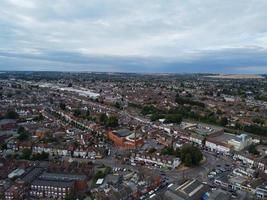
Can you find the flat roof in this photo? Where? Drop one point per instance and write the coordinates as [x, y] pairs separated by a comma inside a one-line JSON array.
[[32, 174], [192, 186], [99, 181], [62, 177], [7, 121], [122, 132], [53, 183], [224, 138]]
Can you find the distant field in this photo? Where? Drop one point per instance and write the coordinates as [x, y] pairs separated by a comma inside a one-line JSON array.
[[236, 76]]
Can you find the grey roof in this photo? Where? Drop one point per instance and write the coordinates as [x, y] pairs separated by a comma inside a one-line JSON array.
[[7, 121], [53, 183], [32, 174], [61, 177], [263, 186], [172, 196], [218, 195], [192, 186], [122, 132]]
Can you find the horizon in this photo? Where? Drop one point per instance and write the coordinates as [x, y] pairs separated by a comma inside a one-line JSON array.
[[142, 73], [134, 36]]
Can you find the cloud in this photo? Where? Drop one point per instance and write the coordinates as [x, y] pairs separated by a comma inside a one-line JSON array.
[[151, 33]]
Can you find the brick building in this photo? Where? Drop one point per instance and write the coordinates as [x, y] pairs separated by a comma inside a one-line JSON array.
[[125, 138]]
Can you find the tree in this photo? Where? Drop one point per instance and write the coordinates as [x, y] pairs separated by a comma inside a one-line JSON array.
[[255, 129], [23, 134], [259, 121], [77, 112], [62, 105], [188, 160], [103, 118], [112, 121], [182, 100], [26, 154], [3, 146], [87, 113], [40, 117], [173, 118], [152, 150], [167, 151], [118, 105], [11, 114], [40, 156], [190, 155], [224, 121], [253, 150], [149, 109]]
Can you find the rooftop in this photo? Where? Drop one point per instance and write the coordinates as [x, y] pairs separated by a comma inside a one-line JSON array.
[[61, 177], [53, 183], [123, 132]]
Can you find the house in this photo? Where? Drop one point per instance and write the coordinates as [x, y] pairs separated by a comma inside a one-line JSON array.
[[261, 191], [162, 161], [216, 146], [196, 139], [17, 191], [164, 139], [7, 124]]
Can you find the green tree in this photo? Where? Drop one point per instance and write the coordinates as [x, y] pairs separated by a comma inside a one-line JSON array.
[[103, 118], [62, 106], [40, 117], [152, 150], [40, 156], [3, 146], [26, 154], [118, 105], [259, 121], [253, 150], [224, 121], [173, 118], [112, 121], [188, 160], [11, 114], [77, 112], [23, 134], [190, 155]]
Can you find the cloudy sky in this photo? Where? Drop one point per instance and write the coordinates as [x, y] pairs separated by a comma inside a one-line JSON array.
[[180, 36]]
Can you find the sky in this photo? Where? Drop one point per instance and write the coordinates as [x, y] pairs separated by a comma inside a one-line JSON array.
[[147, 36]]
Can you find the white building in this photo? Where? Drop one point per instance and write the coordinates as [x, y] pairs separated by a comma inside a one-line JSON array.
[[217, 147], [157, 160], [15, 173], [240, 142]]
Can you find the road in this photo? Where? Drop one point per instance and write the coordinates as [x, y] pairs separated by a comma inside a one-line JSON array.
[[174, 175]]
